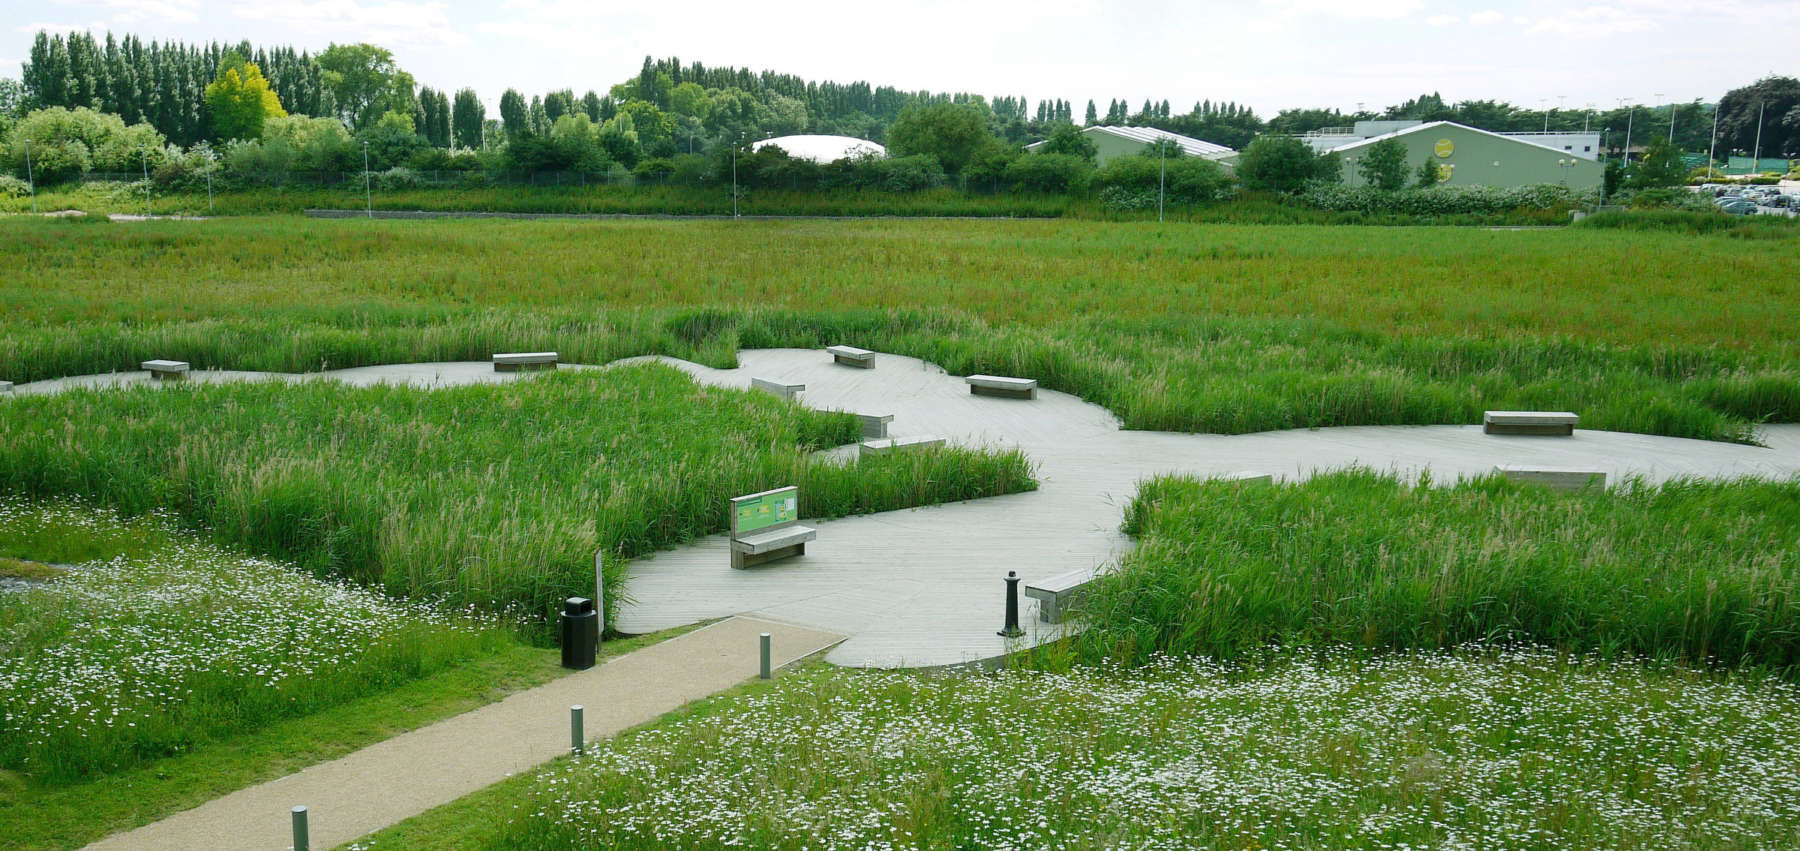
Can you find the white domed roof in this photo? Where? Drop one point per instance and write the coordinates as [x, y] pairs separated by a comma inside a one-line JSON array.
[[822, 149]]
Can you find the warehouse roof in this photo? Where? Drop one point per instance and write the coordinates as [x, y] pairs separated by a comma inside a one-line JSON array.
[[822, 149], [1150, 135], [1419, 128]]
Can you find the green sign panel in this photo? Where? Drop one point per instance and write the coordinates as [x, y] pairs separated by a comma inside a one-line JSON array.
[[769, 509]]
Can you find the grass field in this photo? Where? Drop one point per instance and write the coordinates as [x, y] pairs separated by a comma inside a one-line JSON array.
[[1182, 327], [494, 496], [1478, 749], [152, 645], [1686, 571]]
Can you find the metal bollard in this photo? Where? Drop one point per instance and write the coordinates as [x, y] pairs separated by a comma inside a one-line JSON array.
[[765, 655], [1012, 629], [577, 741], [300, 838]]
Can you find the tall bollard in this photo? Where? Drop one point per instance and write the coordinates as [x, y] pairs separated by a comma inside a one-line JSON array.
[[1012, 629], [300, 838], [765, 655], [577, 741]]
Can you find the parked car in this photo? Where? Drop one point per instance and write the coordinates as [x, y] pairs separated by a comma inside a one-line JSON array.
[[1739, 207]]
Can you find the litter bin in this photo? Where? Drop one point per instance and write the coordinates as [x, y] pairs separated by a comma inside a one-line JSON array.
[[580, 632]]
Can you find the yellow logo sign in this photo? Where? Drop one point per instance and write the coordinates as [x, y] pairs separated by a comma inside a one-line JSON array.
[[1444, 148]]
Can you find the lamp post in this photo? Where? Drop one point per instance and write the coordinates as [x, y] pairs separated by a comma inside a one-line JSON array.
[[1756, 156], [368, 194], [144, 155], [1162, 177], [30, 177], [210, 162], [1630, 116], [1659, 97], [1713, 148], [734, 191]]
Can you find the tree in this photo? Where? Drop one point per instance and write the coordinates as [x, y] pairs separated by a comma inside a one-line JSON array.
[[239, 101], [1093, 116], [1278, 164], [12, 97], [951, 132], [1770, 96], [438, 129], [1384, 165], [466, 119], [1661, 166], [365, 83], [1429, 174], [513, 116], [1067, 139]]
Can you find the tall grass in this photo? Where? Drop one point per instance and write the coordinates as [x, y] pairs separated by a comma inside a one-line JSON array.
[[159, 644], [496, 496], [1690, 571], [1198, 328]]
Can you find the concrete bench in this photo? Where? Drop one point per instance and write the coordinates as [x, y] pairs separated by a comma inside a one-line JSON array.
[[778, 388], [1560, 478], [1059, 593], [898, 444], [852, 356], [996, 385], [165, 370], [1247, 476], [523, 361], [875, 425], [1555, 423], [5, 387], [766, 527]]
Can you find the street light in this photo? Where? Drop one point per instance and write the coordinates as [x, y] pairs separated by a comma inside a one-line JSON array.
[[1162, 177], [1565, 165], [145, 156], [30, 177], [368, 194]]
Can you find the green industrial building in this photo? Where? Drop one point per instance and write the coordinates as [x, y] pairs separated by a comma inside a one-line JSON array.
[[1110, 143], [1466, 156]]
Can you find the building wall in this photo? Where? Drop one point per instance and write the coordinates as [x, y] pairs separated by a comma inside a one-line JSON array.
[[1478, 159], [1111, 147]]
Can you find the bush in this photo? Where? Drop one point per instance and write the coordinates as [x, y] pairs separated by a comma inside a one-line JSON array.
[[657, 168], [1282, 164], [398, 177], [900, 174], [1188, 180], [12, 187], [66, 143], [1050, 173], [1442, 200]]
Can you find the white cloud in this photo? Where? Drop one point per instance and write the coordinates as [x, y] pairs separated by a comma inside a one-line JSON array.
[[389, 24], [59, 29], [1594, 22], [1381, 9], [1443, 20], [127, 12], [1486, 17]]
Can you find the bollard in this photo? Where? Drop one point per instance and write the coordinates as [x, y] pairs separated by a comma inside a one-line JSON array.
[[300, 839], [765, 655], [577, 741], [1012, 629]]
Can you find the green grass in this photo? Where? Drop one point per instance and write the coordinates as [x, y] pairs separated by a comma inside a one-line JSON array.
[[167, 645], [1474, 749], [1182, 327], [1700, 572], [496, 496]]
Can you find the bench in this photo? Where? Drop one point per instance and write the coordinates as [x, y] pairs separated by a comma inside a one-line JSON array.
[[1555, 423], [898, 444], [852, 356], [1059, 593], [1560, 478], [517, 361], [778, 388], [766, 526], [165, 370], [996, 385], [1247, 476], [5, 387], [874, 425]]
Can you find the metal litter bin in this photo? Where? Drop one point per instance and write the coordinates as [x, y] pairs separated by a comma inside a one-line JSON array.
[[580, 633]]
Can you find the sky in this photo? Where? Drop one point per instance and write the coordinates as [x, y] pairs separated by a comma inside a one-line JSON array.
[[1270, 54]]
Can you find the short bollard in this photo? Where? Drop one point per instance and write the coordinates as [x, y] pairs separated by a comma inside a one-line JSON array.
[[577, 741], [1012, 629], [300, 839], [765, 655]]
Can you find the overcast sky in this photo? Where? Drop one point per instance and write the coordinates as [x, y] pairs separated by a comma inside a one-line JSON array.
[[1270, 54]]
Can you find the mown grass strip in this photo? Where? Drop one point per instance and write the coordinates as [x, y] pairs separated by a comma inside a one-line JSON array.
[[1700, 572]]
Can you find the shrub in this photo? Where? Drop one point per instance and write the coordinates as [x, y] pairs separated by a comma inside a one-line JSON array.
[[1058, 173], [12, 187], [1188, 180], [1280, 164], [1442, 200]]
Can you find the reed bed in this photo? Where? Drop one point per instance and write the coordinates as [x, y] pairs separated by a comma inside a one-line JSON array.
[[1182, 327], [494, 496], [150, 644], [1696, 572]]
